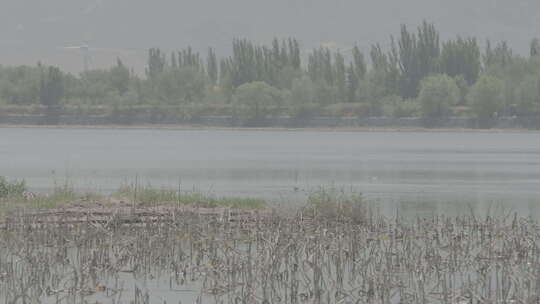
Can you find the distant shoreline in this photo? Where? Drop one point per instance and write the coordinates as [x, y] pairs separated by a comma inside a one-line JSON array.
[[319, 123], [195, 127]]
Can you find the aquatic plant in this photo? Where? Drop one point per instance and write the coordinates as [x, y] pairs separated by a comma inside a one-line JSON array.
[[11, 188], [228, 255]]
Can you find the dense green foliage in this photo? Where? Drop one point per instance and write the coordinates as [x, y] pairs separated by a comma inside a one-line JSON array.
[[417, 76], [486, 98], [11, 188], [257, 100], [438, 93]]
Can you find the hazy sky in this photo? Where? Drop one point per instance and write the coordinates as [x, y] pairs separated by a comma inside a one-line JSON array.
[[32, 30]]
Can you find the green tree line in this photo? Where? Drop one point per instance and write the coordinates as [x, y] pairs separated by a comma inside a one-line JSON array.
[[416, 76]]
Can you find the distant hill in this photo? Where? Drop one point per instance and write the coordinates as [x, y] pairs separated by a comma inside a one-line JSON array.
[[35, 30]]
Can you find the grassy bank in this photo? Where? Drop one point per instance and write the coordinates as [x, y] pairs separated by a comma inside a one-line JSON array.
[[14, 194]]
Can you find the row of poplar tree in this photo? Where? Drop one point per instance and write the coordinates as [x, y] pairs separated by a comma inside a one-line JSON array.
[[417, 75], [412, 57]]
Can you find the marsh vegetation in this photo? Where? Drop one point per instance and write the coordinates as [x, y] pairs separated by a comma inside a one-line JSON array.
[[337, 248]]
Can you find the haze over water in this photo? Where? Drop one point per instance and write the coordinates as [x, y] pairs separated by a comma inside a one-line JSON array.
[[419, 171]]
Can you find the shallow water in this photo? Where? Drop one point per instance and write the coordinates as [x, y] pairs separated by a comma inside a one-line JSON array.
[[419, 171]]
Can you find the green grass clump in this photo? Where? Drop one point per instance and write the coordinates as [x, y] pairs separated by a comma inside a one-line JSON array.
[[201, 200], [11, 188], [146, 195], [337, 204], [59, 196], [149, 195]]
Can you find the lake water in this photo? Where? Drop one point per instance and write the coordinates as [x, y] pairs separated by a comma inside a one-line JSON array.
[[419, 171]]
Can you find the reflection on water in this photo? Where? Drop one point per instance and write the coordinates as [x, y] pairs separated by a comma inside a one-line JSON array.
[[419, 171]]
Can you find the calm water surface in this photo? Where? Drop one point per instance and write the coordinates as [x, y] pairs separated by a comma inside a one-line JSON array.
[[416, 170], [419, 172]]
